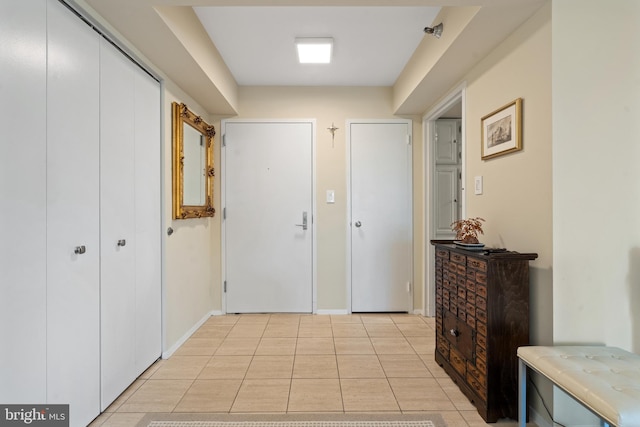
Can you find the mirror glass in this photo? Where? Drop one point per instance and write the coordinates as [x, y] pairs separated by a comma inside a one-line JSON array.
[[194, 168], [192, 164]]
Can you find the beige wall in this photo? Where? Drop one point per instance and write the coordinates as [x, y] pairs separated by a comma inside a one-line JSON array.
[[516, 202], [596, 174], [192, 252], [596, 105], [331, 105], [517, 195]]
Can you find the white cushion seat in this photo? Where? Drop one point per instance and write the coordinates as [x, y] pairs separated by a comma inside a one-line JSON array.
[[606, 380]]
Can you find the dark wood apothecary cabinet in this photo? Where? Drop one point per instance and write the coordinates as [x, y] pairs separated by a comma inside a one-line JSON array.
[[482, 317]]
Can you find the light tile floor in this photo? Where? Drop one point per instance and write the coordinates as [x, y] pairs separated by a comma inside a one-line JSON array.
[[290, 363]]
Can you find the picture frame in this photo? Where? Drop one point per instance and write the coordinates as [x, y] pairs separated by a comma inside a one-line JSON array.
[[501, 130]]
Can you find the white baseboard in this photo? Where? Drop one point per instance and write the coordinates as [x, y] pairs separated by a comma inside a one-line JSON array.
[[324, 312], [167, 353], [419, 312]]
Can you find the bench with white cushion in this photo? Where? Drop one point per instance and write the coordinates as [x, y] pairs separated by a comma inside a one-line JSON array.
[[606, 380]]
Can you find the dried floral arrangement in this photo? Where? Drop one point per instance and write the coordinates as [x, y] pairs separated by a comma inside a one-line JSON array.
[[467, 230]]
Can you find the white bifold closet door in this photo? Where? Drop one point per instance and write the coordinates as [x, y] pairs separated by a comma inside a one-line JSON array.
[[23, 197], [73, 214], [80, 171], [130, 222]]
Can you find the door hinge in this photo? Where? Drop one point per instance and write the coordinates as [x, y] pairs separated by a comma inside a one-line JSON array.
[[225, 286], [408, 139], [224, 140], [409, 287], [224, 213]]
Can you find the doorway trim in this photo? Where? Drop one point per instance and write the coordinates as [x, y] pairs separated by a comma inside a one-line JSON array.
[[313, 222], [349, 230], [428, 131]]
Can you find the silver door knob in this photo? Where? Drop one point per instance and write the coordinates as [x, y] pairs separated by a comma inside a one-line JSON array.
[[358, 224], [79, 250]]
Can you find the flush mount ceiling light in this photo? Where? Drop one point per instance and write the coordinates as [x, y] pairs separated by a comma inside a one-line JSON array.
[[314, 50], [436, 31]]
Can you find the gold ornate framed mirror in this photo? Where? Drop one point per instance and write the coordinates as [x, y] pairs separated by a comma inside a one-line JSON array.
[[193, 169]]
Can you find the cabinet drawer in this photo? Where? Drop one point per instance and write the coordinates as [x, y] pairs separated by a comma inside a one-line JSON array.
[[471, 309], [443, 347], [457, 361], [481, 366], [477, 386], [462, 292], [471, 321], [481, 353], [442, 253], [481, 340], [477, 374], [481, 315], [481, 290], [471, 285], [471, 297], [459, 258], [481, 328], [481, 278], [481, 303], [477, 264]]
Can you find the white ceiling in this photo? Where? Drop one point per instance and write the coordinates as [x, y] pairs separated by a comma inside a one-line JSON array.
[[374, 40], [371, 44]]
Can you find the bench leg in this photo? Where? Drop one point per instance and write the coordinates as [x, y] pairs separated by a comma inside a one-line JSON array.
[[522, 393]]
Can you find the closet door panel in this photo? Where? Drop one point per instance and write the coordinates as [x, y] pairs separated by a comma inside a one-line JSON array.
[[148, 208], [73, 252], [23, 201], [118, 243]]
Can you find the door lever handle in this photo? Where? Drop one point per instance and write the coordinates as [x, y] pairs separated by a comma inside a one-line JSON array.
[[304, 221]]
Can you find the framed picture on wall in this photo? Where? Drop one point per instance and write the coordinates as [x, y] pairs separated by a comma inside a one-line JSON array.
[[501, 130]]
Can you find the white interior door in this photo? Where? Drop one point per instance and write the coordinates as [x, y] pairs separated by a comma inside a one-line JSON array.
[[130, 222], [148, 220], [268, 191], [446, 189], [23, 194], [117, 242], [73, 245], [381, 216]]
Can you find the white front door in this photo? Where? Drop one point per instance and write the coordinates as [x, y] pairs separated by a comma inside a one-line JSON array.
[[268, 187], [381, 216]]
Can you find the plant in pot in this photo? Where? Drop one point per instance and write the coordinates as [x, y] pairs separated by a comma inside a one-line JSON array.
[[467, 230]]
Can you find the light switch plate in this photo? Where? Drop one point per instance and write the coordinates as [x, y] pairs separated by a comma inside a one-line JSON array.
[[477, 188], [331, 196]]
